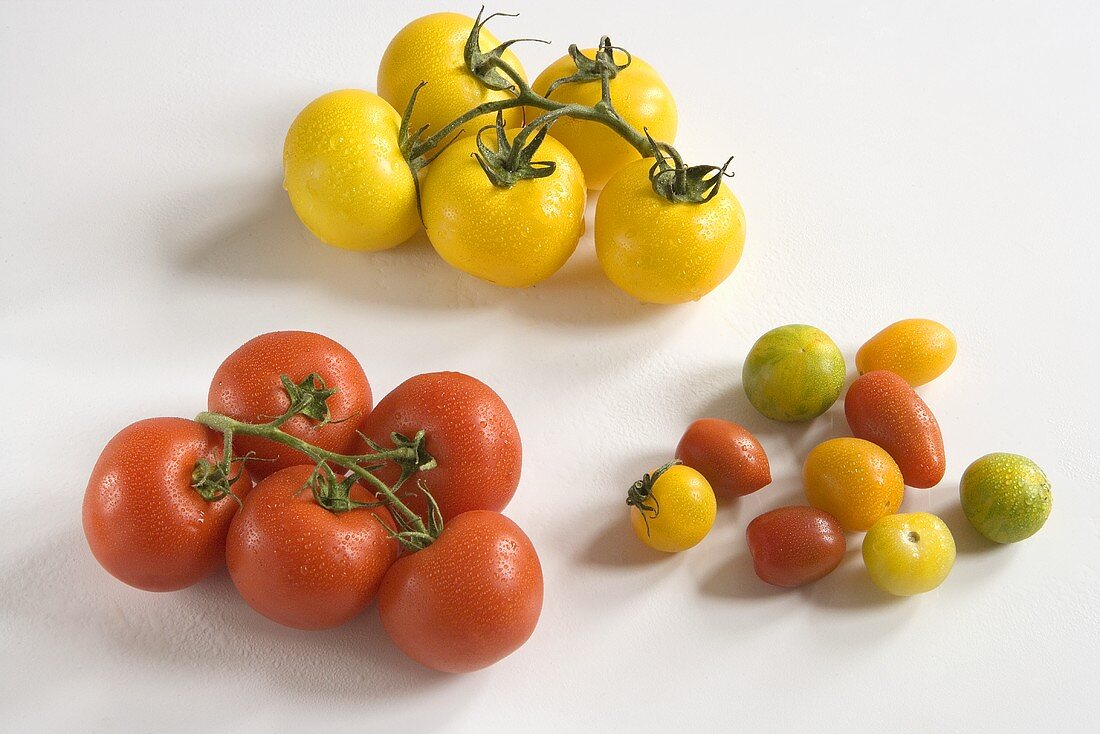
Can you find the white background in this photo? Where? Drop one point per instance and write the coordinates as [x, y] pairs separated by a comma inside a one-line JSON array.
[[894, 160]]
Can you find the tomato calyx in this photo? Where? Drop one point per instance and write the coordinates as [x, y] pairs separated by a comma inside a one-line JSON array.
[[602, 67], [680, 183], [640, 495], [512, 162], [309, 397], [488, 66]]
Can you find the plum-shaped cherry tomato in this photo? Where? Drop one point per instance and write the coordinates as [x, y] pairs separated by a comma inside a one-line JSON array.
[[730, 457], [795, 545], [882, 408]]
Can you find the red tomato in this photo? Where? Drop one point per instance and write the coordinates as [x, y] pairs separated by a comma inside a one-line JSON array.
[[470, 432], [730, 457], [144, 521], [882, 408], [302, 565], [247, 387], [469, 599], [792, 546]]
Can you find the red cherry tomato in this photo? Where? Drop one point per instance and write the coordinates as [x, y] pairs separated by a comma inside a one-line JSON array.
[[792, 546], [882, 408], [469, 431], [144, 521], [302, 565], [247, 387], [730, 457], [469, 599]]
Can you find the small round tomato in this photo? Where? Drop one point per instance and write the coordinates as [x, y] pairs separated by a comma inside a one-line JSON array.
[[672, 509], [515, 236], [664, 252], [793, 373], [639, 96], [346, 176], [431, 49], [792, 546], [882, 408], [146, 522], [302, 565], [468, 430], [469, 599], [1006, 497], [728, 455], [920, 350], [854, 480], [909, 554], [248, 387]]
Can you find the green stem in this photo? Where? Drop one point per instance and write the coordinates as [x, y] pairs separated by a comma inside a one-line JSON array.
[[353, 463]]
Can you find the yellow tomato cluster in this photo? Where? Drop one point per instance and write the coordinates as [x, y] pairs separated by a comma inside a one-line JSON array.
[[351, 184]]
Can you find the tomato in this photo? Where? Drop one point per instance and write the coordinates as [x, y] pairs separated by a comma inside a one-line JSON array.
[[513, 236], [145, 522], [467, 600], [247, 387], [727, 455], [919, 350], [431, 49], [638, 95], [346, 176], [882, 408], [672, 509], [793, 373], [1006, 497], [469, 431], [854, 480], [909, 554], [302, 565], [792, 546], [664, 252]]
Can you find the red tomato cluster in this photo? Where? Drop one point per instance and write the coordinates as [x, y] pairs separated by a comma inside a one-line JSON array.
[[165, 507]]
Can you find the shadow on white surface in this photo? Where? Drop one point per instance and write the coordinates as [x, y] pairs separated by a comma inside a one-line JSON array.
[[269, 243], [207, 631], [614, 544]]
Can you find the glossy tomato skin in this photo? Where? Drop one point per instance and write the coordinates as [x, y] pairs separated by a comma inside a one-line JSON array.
[[469, 431], [640, 96], [301, 565], [247, 387], [882, 408], [514, 237], [795, 545], [468, 600], [431, 49], [727, 454], [144, 522], [661, 252]]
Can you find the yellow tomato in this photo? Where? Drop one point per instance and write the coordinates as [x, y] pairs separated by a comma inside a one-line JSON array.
[[637, 93], [919, 350], [853, 480], [430, 49], [909, 554], [664, 252], [682, 511], [513, 236], [345, 174]]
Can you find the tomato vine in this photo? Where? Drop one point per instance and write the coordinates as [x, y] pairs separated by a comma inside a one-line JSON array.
[[671, 177]]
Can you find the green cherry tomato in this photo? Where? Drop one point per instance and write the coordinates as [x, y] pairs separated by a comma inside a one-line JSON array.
[[1006, 497]]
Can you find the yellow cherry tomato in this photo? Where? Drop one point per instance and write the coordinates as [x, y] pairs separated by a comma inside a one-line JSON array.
[[345, 174], [909, 554], [513, 236], [853, 480], [664, 252], [637, 93], [677, 510], [920, 350], [431, 49]]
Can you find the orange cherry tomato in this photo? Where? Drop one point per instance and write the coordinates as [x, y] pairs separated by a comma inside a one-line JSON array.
[[853, 480]]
